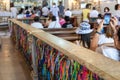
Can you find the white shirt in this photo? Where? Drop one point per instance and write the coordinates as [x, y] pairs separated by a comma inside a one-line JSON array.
[[54, 10], [103, 39], [68, 13], [54, 24], [20, 16], [37, 25], [45, 11], [107, 51], [14, 11], [116, 13], [94, 13]]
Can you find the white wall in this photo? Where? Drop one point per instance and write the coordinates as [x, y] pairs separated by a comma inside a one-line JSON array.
[[107, 4]]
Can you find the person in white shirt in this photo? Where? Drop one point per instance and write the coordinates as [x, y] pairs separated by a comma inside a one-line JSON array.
[[54, 23], [36, 23], [55, 11], [20, 14], [68, 13], [45, 11], [14, 11], [94, 12]]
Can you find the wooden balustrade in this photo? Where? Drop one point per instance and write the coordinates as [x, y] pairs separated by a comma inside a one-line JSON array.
[[102, 66]]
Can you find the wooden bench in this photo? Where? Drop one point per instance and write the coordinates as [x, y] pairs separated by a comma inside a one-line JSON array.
[[65, 33], [4, 22]]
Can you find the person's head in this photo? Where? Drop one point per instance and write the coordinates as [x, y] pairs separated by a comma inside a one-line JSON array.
[[88, 6], [106, 9], [100, 16], [11, 4], [26, 8], [35, 8], [117, 7], [68, 9], [21, 11], [36, 19], [67, 18], [60, 3], [54, 4], [27, 12], [53, 18], [94, 8]]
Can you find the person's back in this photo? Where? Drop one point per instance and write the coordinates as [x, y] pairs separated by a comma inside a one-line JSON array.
[[45, 11], [21, 15], [68, 13], [67, 24], [54, 23], [54, 10], [61, 8], [14, 11], [85, 13], [94, 12], [36, 24]]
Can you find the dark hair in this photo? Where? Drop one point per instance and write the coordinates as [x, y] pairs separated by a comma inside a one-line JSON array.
[[107, 9], [53, 18], [100, 16], [26, 8], [94, 8], [60, 2], [36, 19], [118, 34], [68, 9], [27, 12], [21, 11], [88, 5], [67, 18], [116, 6]]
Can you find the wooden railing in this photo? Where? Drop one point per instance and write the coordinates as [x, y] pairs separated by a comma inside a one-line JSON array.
[[54, 58]]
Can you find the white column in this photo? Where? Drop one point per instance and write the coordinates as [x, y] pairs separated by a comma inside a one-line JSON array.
[[118, 1]]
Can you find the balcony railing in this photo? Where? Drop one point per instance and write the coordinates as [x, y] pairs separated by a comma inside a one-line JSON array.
[[54, 58]]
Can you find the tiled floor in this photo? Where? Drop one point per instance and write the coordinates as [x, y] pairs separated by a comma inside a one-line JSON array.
[[12, 63]]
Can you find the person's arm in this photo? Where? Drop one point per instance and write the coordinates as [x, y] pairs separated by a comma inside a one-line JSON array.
[[94, 42], [113, 24]]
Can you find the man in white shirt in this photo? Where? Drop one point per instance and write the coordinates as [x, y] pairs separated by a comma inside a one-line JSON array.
[[68, 13], [37, 24], [55, 11], [14, 11], [45, 11], [54, 23], [94, 12]]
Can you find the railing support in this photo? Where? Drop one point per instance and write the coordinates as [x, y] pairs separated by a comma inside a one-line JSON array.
[[34, 72]]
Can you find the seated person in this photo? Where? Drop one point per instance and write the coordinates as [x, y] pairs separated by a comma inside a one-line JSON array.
[[68, 23], [36, 23], [68, 13], [32, 14], [105, 43], [48, 21], [21, 14], [54, 23], [61, 20], [28, 14]]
